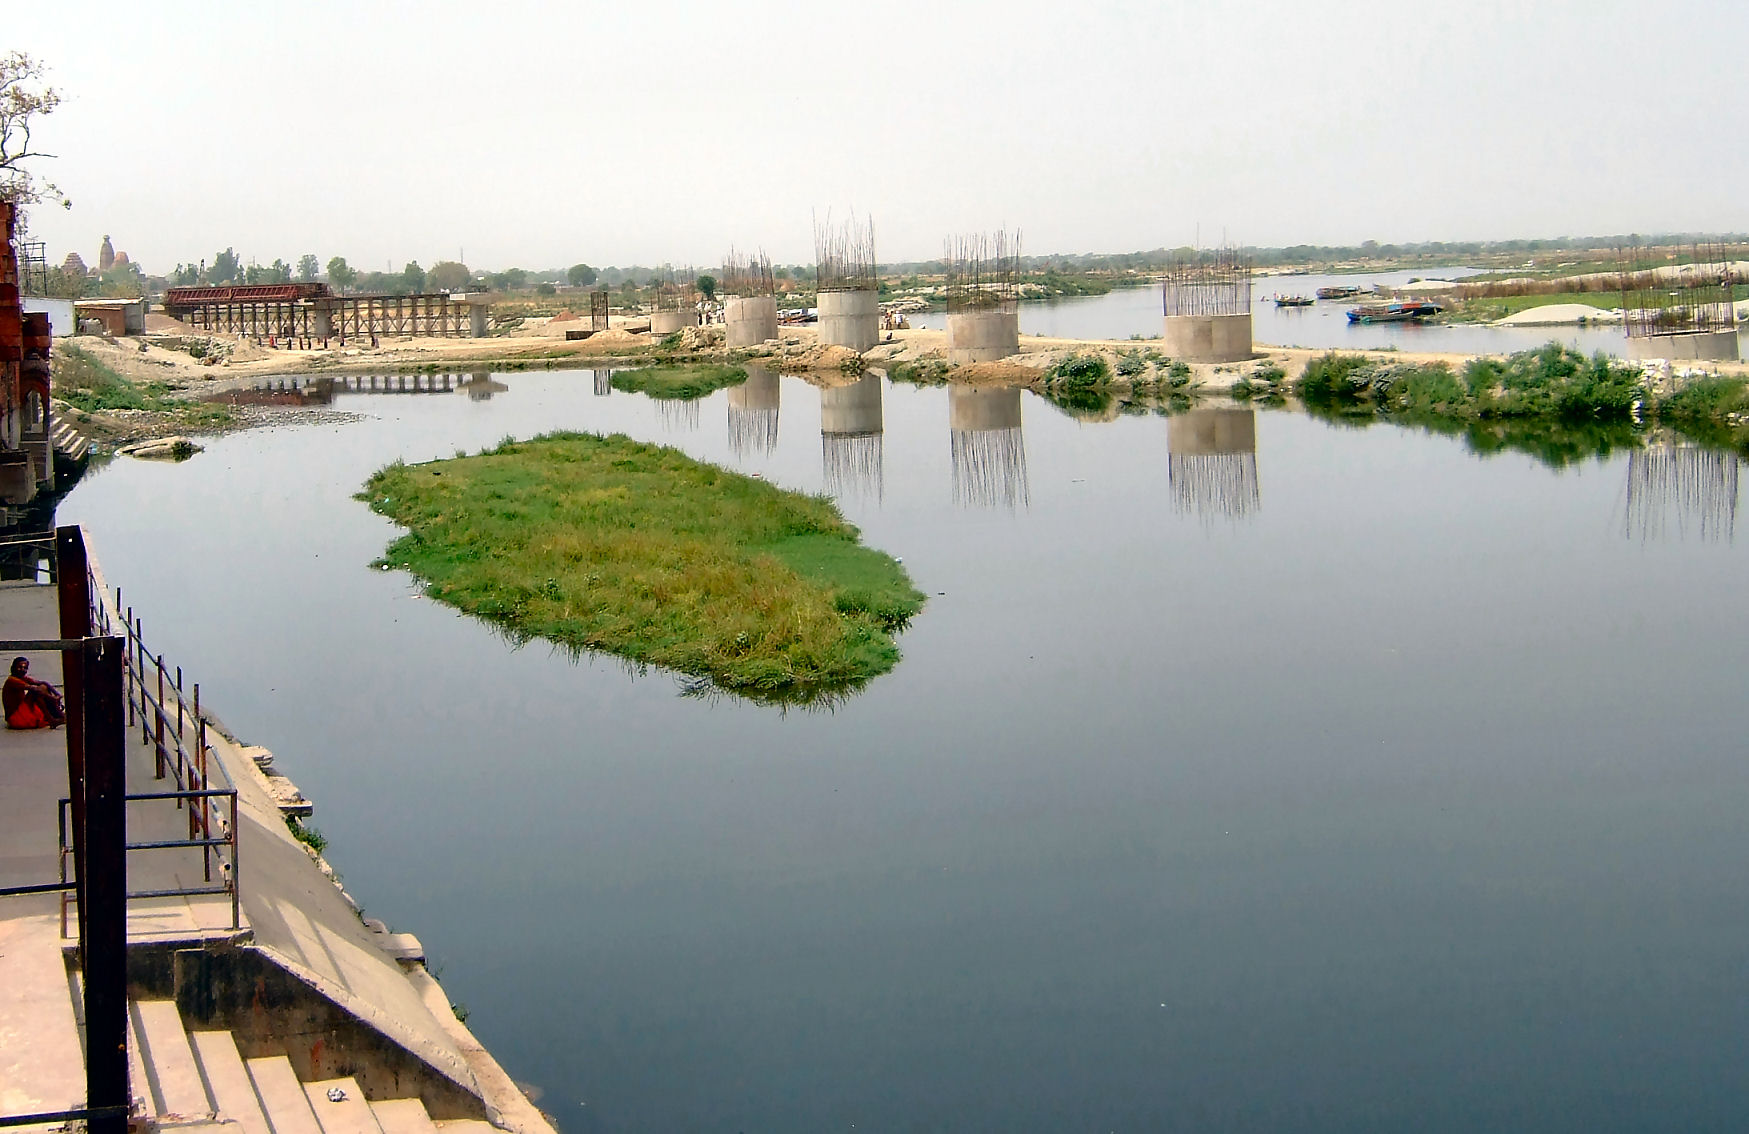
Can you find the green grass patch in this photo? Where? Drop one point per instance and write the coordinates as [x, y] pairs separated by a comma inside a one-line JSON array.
[[611, 544], [681, 382]]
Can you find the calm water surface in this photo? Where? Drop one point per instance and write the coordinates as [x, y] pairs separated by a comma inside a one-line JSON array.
[[1242, 773], [1323, 326]]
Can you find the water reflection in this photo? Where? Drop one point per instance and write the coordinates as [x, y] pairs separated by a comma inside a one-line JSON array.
[[753, 409], [1212, 463], [852, 441], [603, 382], [989, 451], [1684, 488], [480, 387], [677, 415]]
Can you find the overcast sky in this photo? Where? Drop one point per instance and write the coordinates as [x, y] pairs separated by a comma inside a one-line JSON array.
[[540, 135]]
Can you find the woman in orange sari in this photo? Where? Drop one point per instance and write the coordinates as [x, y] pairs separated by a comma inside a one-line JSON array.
[[30, 703]]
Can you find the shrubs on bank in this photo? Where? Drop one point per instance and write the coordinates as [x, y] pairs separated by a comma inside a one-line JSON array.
[[1553, 382]]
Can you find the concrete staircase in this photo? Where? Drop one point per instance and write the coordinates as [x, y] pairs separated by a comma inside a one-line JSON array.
[[184, 1079]]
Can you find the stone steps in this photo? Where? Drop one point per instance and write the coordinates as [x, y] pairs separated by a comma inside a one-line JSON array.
[[186, 1079]]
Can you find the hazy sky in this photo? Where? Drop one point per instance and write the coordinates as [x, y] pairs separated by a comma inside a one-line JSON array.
[[540, 135]]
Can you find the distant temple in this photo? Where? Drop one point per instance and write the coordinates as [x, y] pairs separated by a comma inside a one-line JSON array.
[[106, 255]]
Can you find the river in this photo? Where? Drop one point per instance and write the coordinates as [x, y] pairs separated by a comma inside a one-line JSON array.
[[1244, 772], [1129, 312]]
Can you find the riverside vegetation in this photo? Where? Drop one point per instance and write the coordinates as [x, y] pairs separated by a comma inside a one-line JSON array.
[[1553, 402], [606, 543]]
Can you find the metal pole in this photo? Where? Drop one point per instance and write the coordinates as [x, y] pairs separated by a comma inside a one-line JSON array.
[[236, 868], [73, 598], [104, 907]]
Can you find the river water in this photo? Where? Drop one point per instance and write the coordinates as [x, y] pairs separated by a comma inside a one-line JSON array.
[[1128, 312], [1244, 772]]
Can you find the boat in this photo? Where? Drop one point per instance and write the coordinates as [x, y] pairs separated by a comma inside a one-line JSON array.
[[1341, 291], [1292, 301], [1412, 310]]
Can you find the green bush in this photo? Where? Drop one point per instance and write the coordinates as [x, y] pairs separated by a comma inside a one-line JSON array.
[[1081, 371]]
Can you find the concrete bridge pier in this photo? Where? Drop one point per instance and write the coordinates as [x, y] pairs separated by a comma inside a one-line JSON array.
[[1208, 338], [850, 319], [749, 320], [982, 336], [667, 322]]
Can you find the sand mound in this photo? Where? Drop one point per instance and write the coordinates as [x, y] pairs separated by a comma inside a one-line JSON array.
[[159, 324], [817, 358], [995, 374], [1559, 315], [614, 335]]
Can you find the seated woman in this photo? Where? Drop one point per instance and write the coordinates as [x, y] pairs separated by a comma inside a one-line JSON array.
[[30, 703]]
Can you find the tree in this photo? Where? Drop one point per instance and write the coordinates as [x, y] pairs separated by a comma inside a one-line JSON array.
[[580, 275], [708, 285], [544, 288], [309, 267], [340, 274], [414, 277], [23, 99], [227, 267], [448, 275], [185, 275]]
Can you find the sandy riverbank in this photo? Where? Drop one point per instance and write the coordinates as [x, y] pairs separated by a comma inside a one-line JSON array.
[[165, 358]]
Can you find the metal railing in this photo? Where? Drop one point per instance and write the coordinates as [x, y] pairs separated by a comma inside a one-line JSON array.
[[173, 727]]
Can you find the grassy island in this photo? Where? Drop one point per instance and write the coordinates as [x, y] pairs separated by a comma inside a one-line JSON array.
[[606, 543], [679, 381]]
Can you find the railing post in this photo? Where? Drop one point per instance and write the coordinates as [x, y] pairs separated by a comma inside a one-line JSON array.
[[104, 904], [236, 867], [129, 667], [72, 581]]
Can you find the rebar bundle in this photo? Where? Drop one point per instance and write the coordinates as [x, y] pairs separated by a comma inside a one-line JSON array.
[[746, 276], [983, 271], [844, 255], [675, 289], [1211, 283], [1682, 487], [854, 464], [989, 468], [752, 430], [1691, 298], [1215, 485]]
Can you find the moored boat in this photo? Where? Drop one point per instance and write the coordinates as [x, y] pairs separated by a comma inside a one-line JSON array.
[[1292, 301], [1341, 291], [1412, 310]]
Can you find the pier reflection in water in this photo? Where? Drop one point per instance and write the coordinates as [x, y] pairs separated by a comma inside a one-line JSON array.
[[853, 439], [753, 407], [1678, 489], [1212, 463], [603, 382], [480, 387], [678, 415], [989, 450]]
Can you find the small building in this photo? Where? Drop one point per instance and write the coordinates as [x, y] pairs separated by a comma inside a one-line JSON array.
[[118, 316], [59, 311]]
